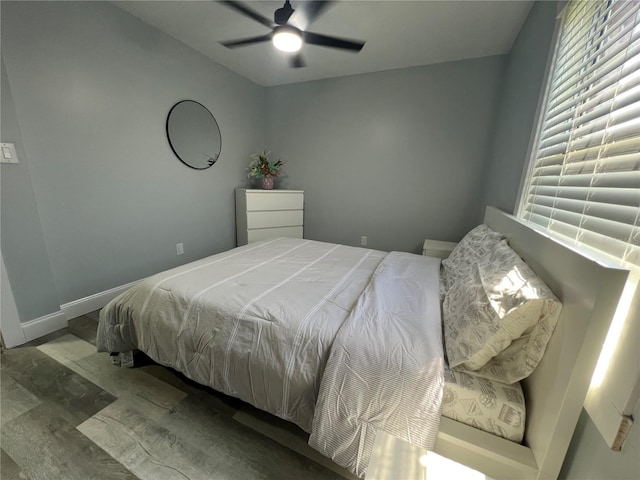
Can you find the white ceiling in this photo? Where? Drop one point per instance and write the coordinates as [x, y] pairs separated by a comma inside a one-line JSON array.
[[398, 34]]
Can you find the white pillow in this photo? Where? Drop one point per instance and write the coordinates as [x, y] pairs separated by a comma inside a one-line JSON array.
[[519, 360], [508, 340], [469, 320], [473, 248]]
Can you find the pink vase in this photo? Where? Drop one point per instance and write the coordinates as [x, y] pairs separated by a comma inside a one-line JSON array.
[[267, 183]]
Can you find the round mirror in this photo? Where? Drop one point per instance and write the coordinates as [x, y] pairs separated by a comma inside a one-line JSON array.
[[194, 134]]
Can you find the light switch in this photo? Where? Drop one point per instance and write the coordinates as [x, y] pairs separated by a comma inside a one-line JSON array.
[[8, 153]]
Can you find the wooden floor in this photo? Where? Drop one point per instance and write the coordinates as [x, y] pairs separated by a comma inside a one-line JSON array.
[[67, 413]]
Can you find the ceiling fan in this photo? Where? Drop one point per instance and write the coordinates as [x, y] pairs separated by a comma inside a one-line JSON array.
[[287, 32]]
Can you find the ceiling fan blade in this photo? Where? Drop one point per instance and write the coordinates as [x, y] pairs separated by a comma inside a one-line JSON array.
[[334, 42], [297, 61], [248, 12], [246, 41], [307, 12]]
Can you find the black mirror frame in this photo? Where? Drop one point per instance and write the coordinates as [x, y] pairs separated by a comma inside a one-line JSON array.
[[211, 160]]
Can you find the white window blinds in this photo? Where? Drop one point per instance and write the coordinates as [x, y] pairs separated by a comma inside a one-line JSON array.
[[584, 182]]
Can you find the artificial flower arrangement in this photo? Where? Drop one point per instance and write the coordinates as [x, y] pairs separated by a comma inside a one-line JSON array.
[[260, 165]]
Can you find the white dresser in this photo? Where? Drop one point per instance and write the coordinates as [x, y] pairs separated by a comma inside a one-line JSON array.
[[262, 214]]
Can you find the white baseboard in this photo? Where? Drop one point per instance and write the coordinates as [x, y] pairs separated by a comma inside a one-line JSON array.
[[11, 331], [39, 327], [42, 326], [93, 302]]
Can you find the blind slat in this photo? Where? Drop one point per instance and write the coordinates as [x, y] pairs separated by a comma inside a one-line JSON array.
[[581, 91], [599, 57], [584, 181], [594, 68]]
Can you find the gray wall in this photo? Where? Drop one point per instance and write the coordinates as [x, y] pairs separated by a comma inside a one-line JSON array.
[[23, 246], [395, 155], [92, 86], [523, 81], [590, 459]]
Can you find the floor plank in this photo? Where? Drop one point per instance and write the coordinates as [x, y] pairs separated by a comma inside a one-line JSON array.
[[14, 398], [81, 357], [46, 445], [151, 451], [192, 441], [221, 402], [84, 327], [51, 381], [10, 469], [221, 435], [68, 413], [288, 435]]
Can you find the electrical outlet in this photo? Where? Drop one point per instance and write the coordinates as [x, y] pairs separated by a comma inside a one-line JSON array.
[[179, 248], [363, 241]]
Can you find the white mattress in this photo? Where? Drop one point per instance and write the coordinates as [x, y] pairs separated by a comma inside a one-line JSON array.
[[491, 406]]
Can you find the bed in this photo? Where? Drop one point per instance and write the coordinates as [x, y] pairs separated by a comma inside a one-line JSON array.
[[356, 358], [341, 341]]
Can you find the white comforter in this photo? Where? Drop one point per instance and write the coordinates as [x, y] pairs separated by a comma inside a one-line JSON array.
[[386, 368], [271, 321]]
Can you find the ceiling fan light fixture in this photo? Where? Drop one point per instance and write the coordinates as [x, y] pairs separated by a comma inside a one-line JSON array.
[[287, 39]]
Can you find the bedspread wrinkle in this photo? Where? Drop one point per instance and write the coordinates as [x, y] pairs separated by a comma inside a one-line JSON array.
[[386, 367]]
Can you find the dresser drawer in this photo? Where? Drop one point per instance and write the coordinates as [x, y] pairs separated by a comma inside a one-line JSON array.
[[271, 200], [267, 219], [264, 233]]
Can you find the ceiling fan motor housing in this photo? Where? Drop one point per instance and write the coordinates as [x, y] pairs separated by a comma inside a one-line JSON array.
[[282, 15]]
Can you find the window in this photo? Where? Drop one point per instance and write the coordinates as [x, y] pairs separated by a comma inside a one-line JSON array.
[[583, 182], [584, 178]]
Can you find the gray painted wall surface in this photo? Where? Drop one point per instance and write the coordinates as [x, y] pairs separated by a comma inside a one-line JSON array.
[[92, 86], [589, 458], [23, 246], [523, 82], [395, 155]]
